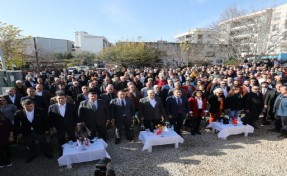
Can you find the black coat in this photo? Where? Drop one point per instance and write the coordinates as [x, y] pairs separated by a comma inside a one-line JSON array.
[[172, 108], [253, 102], [17, 101], [234, 102], [108, 97], [39, 102], [66, 123], [214, 104], [270, 99], [93, 118], [80, 98], [148, 112], [23, 126], [117, 111]]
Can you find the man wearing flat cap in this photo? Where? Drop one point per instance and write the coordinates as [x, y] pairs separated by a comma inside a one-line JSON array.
[[63, 117]]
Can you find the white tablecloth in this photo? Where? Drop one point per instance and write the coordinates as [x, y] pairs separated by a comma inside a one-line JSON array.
[[230, 129], [72, 154], [151, 139]]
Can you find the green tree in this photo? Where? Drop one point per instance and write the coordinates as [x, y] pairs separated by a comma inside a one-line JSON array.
[[13, 44], [62, 56], [84, 57], [131, 54]]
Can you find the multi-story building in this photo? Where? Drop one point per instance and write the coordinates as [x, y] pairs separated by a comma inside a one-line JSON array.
[[198, 35], [256, 34], [175, 54], [201, 44], [46, 46], [90, 43]]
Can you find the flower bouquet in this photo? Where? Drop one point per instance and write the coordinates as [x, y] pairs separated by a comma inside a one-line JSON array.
[[159, 129], [82, 133]]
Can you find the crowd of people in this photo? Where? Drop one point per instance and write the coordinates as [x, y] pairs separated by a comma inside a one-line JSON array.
[[54, 102]]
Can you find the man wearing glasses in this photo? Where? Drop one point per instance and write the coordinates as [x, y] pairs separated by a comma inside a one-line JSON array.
[[253, 106]]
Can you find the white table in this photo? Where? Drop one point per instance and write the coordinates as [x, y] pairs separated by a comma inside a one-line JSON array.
[[226, 130], [152, 139], [73, 154]]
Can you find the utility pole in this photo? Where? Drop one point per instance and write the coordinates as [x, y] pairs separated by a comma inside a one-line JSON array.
[[2, 60], [36, 55]]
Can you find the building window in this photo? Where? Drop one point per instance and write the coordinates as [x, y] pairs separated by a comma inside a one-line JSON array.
[[219, 61], [285, 36], [276, 16], [275, 27]]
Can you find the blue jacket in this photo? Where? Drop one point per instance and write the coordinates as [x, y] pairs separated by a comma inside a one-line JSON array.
[[282, 110]]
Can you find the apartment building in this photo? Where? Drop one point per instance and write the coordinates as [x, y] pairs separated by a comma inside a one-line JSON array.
[[90, 43], [256, 34], [202, 44]]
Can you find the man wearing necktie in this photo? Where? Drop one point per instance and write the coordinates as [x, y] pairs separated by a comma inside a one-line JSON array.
[[31, 123], [95, 114], [122, 113], [264, 89], [177, 108]]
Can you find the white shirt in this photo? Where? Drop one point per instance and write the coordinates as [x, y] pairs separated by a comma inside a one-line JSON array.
[[264, 90], [95, 103], [30, 115], [224, 91], [62, 109], [199, 103], [152, 102], [12, 98], [39, 93], [123, 100]]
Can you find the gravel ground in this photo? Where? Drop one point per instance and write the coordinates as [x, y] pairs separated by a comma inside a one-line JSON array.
[[261, 153]]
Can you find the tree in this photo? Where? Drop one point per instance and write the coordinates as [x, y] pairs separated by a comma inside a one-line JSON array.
[[85, 57], [247, 35], [132, 54], [63, 56], [12, 44]]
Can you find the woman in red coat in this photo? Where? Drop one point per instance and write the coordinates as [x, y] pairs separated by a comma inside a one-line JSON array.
[[198, 106]]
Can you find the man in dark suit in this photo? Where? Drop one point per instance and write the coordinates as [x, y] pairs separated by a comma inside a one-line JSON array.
[[82, 96], [31, 123], [13, 98], [95, 114], [177, 85], [63, 118], [30, 82], [150, 110], [39, 101], [264, 89], [253, 106], [122, 112], [269, 103], [177, 109], [45, 94], [109, 95]]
